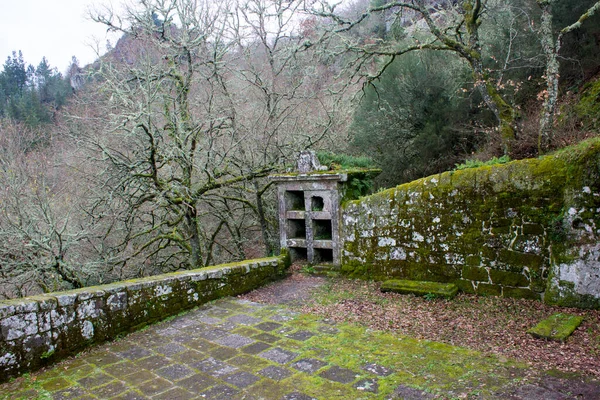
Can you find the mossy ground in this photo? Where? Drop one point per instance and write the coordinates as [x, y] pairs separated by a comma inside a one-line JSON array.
[[234, 347], [488, 324]]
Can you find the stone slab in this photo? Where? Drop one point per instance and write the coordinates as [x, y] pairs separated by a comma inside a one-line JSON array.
[[556, 327], [420, 288]]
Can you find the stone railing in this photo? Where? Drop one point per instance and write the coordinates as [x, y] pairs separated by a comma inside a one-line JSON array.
[[36, 331]]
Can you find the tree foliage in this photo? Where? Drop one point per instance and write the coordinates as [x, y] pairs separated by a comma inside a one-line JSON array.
[[415, 120], [31, 95]]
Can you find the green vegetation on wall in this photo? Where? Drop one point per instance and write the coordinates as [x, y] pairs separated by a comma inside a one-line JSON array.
[[520, 229]]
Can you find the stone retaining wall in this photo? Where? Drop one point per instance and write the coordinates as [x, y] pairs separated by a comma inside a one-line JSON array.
[[528, 228], [36, 331]]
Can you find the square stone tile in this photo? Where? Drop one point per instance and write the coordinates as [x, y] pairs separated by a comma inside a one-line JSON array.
[[175, 372], [103, 358], [246, 331], [327, 329], [67, 394], [234, 305], [406, 392], [197, 383], [337, 374], [223, 353], [57, 384], [94, 380], [212, 334], [155, 386], [284, 329], [202, 345], [130, 395], [228, 325], [309, 365], [171, 349], [214, 367], [266, 337], [182, 322], [278, 355], [183, 338], [301, 335], [235, 341], [268, 326], [153, 362], [298, 396], [138, 378], [256, 348], [210, 320], [219, 392], [248, 362], [188, 357], [176, 393], [244, 319], [199, 327], [377, 369], [241, 379], [218, 312], [110, 390], [135, 353], [121, 369], [283, 316], [168, 331], [367, 385], [275, 373]]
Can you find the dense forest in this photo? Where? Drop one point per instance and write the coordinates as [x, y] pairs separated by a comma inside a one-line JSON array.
[[154, 158]]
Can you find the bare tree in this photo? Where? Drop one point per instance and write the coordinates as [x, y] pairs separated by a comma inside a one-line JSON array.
[[43, 233], [188, 140], [551, 46]]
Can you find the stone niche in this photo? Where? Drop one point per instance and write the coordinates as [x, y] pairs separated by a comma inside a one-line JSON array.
[[309, 207]]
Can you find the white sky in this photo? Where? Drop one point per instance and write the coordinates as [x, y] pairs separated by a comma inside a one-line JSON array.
[[56, 29]]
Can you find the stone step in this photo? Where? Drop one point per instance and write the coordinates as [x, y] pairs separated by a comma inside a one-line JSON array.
[[556, 327], [324, 269], [420, 288]]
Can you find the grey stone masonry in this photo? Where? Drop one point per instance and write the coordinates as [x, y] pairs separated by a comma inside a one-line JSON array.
[[36, 331], [309, 207]]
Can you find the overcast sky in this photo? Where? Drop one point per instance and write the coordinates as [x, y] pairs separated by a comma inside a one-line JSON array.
[[56, 29]]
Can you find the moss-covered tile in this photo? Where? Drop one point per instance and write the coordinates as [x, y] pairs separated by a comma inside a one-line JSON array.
[[556, 327]]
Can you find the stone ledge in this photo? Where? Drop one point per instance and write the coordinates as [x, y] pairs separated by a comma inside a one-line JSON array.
[[420, 288], [556, 327], [36, 331]]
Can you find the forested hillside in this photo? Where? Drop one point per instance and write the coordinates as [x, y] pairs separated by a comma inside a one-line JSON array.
[[154, 158]]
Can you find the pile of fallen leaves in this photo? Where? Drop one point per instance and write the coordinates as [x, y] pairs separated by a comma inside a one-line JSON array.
[[491, 325]]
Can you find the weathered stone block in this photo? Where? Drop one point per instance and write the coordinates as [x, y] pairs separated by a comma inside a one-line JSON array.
[[477, 274], [520, 293], [556, 327], [485, 289], [504, 278], [420, 288]]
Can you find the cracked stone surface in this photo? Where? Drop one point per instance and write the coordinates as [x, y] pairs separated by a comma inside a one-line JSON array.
[[235, 349]]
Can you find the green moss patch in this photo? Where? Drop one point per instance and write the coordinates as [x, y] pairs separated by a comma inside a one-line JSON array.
[[420, 288], [556, 327]]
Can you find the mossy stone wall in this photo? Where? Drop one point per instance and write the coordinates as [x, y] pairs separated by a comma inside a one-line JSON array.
[[526, 229], [36, 331]]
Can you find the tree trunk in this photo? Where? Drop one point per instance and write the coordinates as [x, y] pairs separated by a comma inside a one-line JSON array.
[[264, 227], [191, 217], [550, 49], [504, 112]]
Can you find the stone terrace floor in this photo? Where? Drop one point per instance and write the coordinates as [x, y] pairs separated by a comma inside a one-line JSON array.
[[236, 349]]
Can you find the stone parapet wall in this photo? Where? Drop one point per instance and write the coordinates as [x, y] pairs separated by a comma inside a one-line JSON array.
[[36, 331], [527, 229]]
